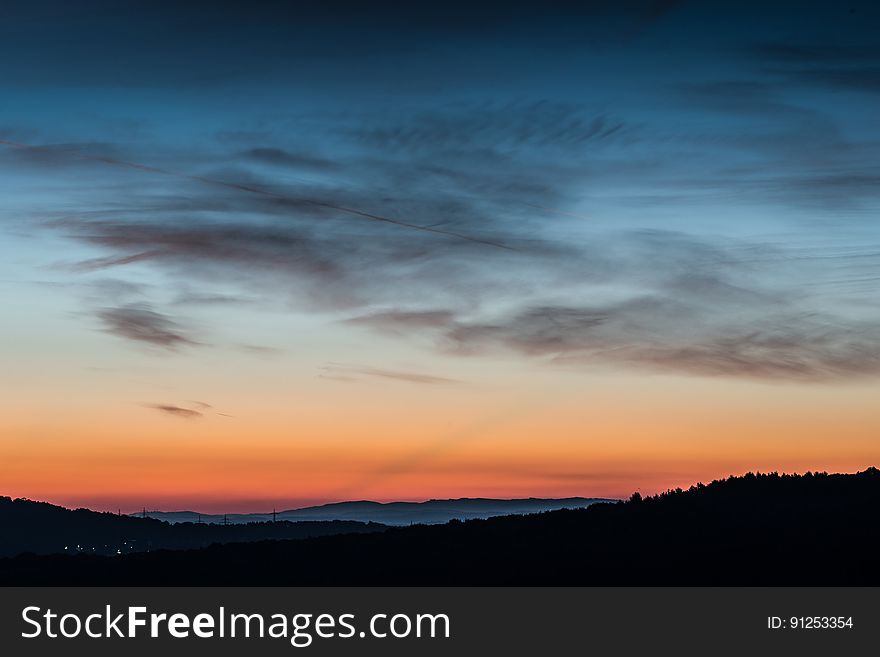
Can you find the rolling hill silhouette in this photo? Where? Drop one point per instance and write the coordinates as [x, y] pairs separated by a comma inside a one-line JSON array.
[[395, 513], [765, 529], [43, 528]]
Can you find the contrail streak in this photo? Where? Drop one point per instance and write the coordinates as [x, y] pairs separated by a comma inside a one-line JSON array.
[[260, 192]]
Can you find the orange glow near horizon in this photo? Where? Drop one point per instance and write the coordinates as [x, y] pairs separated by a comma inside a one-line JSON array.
[[317, 254], [552, 435]]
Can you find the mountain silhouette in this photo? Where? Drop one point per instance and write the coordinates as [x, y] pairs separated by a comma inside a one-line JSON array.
[[393, 513], [42, 528], [758, 529]]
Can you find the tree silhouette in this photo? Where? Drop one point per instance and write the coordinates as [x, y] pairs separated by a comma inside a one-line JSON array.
[[759, 529]]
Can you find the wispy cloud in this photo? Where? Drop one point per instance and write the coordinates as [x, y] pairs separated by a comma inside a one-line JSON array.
[[787, 346], [403, 321], [696, 308], [697, 236], [283, 158], [283, 198], [177, 411], [347, 372], [139, 322]]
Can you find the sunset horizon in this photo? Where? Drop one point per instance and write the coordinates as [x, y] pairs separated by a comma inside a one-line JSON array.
[[281, 256], [440, 327]]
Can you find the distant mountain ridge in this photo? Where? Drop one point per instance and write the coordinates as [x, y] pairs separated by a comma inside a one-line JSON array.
[[430, 512], [755, 530], [42, 528]]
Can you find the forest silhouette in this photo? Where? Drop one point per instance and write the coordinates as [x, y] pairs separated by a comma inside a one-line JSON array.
[[758, 529]]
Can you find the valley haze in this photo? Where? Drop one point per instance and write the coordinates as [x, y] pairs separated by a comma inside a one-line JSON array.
[[389, 513]]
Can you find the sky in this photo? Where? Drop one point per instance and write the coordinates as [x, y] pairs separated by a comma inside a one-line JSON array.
[[274, 254]]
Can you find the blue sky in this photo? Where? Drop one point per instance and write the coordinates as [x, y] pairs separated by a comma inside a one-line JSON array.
[[432, 196], [643, 162]]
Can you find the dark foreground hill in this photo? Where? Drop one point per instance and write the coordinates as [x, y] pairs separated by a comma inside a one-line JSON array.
[[41, 528], [816, 529]]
